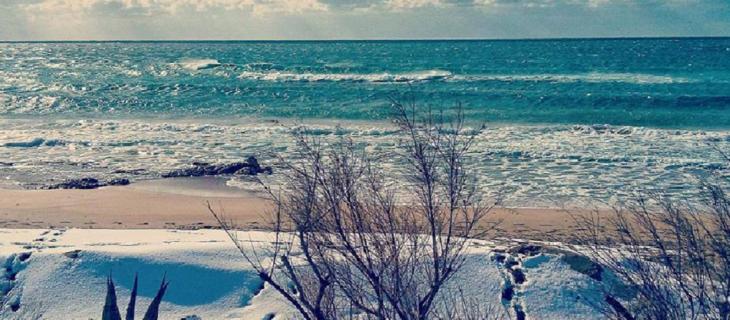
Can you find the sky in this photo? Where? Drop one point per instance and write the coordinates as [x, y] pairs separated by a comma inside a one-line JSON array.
[[358, 19]]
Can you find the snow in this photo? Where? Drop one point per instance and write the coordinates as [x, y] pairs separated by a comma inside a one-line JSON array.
[[565, 287], [210, 279]]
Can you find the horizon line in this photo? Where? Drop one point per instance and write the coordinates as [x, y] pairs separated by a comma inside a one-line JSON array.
[[373, 39]]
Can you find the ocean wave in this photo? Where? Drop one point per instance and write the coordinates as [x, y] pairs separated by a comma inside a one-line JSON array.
[[593, 77], [604, 129], [262, 66], [441, 75], [564, 161], [37, 142], [340, 77], [199, 64]]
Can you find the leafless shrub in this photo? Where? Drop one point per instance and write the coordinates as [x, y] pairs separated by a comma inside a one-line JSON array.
[[348, 246], [672, 258]]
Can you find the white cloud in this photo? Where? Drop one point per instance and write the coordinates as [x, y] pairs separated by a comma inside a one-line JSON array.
[[583, 3], [525, 3], [355, 19], [263, 7], [172, 6], [412, 4]]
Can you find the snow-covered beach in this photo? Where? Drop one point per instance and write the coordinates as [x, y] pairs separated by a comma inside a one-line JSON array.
[[61, 274]]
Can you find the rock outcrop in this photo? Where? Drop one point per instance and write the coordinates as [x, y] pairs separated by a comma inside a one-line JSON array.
[[88, 183], [250, 167]]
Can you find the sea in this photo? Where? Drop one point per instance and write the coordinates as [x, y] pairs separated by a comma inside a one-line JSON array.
[[568, 122]]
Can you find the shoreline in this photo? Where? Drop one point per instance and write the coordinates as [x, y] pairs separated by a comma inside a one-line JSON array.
[[293, 122], [543, 166], [181, 204]]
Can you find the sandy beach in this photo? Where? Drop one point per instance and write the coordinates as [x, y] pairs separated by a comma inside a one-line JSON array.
[[181, 204]]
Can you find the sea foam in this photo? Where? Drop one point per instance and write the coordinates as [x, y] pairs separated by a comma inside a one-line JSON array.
[[592, 77], [441, 75], [199, 64], [535, 165], [283, 76]]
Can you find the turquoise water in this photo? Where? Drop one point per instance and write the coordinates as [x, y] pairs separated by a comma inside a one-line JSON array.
[[654, 83], [568, 119]]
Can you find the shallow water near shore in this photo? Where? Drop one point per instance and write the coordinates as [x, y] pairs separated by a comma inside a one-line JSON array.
[[535, 165], [216, 187]]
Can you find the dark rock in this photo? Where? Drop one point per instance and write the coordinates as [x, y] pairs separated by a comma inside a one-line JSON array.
[[253, 167], [199, 169], [518, 275], [83, 183], [88, 183], [118, 182], [207, 170], [133, 171], [253, 163], [229, 168]]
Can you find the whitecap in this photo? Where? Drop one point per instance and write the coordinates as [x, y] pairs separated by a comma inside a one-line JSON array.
[[592, 77], [338, 77], [199, 64], [132, 73], [535, 165], [441, 75]]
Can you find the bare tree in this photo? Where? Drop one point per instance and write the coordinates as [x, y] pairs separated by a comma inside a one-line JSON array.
[[350, 243], [672, 258]]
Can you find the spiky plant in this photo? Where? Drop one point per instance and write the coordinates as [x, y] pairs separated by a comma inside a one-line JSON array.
[[133, 300], [111, 309]]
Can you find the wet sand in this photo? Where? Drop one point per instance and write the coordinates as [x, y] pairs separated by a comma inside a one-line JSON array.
[[182, 204]]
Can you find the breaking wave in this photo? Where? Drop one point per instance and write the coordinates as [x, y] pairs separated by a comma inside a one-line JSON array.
[[37, 142], [595, 77], [283, 76], [441, 75], [570, 162], [199, 64]]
